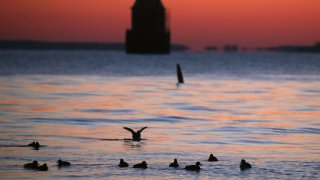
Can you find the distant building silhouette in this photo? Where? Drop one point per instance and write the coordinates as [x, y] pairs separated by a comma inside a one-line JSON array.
[[149, 33]]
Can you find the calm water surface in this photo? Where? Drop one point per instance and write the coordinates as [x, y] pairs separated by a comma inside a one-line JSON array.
[[265, 111]]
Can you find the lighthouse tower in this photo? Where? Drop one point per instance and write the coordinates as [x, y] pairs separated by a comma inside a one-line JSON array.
[[149, 33]]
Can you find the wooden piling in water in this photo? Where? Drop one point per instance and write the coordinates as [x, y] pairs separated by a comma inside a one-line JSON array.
[[179, 74]]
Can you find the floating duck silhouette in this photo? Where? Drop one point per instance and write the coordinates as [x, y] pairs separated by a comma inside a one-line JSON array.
[[142, 165], [63, 163], [174, 164], [35, 145], [212, 158], [33, 165], [136, 136], [32, 144], [193, 167], [44, 167], [123, 163], [244, 165]]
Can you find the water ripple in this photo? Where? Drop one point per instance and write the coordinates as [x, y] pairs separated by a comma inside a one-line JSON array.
[[164, 119], [108, 110], [69, 95]]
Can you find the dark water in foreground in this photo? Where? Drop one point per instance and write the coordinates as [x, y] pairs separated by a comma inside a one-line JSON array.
[[261, 107]]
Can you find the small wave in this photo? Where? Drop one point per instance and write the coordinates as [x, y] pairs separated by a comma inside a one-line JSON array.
[[233, 129], [246, 92], [248, 121], [143, 91], [7, 105], [309, 130], [108, 110], [198, 108], [74, 120], [16, 126], [161, 119], [213, 142], [74, 94], [176, 119], [306, 109], [179, 118], [297, 131], [175, 104], [312, 91], [246, 141]]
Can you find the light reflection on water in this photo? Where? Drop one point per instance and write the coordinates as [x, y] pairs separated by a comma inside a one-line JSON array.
[[271, 122]]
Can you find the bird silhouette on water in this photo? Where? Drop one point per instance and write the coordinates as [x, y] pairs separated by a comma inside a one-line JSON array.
[[244, 165], [174, 164], [195, 167], [63, 163], [34, 165], [136, 136], [142, 165], [123, 163], [35, 145], [212, 158], [44, 167]]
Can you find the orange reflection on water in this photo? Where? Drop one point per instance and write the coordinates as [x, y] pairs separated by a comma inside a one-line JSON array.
[[82, 119]]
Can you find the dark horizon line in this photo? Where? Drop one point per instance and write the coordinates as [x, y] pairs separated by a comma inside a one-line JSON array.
[[315, 48], [71, 45], [120, 46]]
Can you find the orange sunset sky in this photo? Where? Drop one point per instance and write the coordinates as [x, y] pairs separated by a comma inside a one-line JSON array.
[[196, 23]]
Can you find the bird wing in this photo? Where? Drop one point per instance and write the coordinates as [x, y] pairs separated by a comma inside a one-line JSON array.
[[129, 129], [142, 129]]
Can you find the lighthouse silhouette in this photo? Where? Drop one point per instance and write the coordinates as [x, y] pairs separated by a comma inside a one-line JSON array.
[[149, 33]]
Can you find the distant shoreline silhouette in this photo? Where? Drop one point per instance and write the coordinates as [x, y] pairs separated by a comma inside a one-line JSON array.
[[48, 45], [280, 48], [118, 46], [294, 48]]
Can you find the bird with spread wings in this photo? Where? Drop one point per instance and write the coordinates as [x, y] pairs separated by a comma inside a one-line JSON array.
[[136, 136]]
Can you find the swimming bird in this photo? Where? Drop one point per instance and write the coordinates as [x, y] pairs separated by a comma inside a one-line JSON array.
[[244, 165], [193, 167], [32, 144], [212, 158], [123, 163], [33, 165], [136, 136], [174, 164], [63, 163], [142, 165], [35, 145], [44, 167]]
